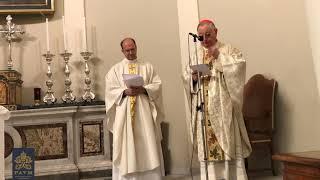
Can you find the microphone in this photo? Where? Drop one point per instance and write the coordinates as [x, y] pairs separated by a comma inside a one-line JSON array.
[[200, 38]]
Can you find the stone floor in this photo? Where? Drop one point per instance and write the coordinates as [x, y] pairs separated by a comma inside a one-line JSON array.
[[173, 177], [197, 177]]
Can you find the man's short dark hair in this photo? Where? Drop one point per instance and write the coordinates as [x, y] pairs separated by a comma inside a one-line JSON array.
[[125, 39]]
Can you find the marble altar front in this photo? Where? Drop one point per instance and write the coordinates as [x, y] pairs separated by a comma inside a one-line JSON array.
[[67, 140]]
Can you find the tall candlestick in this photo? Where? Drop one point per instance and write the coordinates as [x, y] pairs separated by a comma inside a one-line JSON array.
[[84, 35], [64, 34], [47, 33]]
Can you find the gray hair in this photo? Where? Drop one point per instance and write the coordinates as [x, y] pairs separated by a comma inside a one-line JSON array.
[[209, 23]]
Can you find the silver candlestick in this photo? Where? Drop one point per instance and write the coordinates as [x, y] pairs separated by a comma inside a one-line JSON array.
[[68, 97], [10, 33], [49, 97], [88, 95]]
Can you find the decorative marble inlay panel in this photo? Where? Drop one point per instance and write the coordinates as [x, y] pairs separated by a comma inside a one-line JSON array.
[[49, 141], [91, 138], [8, 144]]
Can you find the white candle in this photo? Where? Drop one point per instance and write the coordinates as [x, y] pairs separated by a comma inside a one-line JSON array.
[[84, 35], [47, 33], [64, 34]]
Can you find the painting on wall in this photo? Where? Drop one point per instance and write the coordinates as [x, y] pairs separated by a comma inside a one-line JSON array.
[[27, 6]]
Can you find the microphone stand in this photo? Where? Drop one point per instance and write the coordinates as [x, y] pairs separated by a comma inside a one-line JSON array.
[[201, 108]]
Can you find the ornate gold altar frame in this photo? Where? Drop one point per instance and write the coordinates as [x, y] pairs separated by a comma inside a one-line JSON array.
[[10, 89], [27, 7]]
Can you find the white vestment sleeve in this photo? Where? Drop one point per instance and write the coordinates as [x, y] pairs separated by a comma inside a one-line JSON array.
[[4, 113], [234, 71], [154, 92], [113, 96]]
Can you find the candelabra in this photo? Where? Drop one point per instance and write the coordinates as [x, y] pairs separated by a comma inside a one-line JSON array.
[[49, 97], [88, 95], [68, 97]]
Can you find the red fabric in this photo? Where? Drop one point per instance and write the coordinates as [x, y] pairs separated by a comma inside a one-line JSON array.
[[206, 20]]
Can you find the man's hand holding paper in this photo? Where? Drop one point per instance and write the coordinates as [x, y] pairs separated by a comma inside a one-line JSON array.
[[203, 69], [134, 82]]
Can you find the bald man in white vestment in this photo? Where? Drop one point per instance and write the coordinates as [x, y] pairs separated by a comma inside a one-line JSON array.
[[134, 115], [226, 136]]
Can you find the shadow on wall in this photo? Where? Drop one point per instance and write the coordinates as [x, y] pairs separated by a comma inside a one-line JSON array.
[[281, 129], [165, 147], [94, 63], [27, 95]]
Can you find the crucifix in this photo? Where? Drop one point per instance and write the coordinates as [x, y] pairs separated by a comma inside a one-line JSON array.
[[10, 33]]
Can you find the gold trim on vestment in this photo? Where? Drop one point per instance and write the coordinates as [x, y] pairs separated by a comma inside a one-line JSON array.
[[132, 70]]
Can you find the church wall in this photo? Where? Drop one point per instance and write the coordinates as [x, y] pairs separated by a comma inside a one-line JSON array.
[[274, 38], [27, 54], [312, 8], [154, 25], [188, 20]]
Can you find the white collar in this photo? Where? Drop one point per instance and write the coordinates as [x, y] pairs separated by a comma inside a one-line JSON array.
[[130, 61]]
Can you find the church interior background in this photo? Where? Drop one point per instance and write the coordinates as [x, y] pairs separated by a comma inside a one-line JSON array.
[[279, 40]]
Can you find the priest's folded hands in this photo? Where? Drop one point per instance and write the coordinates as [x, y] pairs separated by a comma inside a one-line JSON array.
[[134, 91]]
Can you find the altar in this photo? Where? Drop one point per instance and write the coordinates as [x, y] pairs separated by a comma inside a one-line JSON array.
[[70, 142]]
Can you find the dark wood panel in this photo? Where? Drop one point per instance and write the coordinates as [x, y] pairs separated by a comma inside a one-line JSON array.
[[300, 166]]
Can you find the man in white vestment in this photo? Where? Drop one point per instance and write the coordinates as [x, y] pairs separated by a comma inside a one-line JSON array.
[[133, 116], [227, 142]]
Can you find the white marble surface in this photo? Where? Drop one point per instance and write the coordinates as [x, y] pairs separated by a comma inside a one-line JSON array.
[[4, 114], [72, 116], [197, 177], [1, 149]]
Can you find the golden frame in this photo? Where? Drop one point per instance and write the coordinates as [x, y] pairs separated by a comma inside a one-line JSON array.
[[27, 7]]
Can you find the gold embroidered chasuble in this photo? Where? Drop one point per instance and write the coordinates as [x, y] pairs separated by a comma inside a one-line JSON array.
[[214, 151], [227, 137]]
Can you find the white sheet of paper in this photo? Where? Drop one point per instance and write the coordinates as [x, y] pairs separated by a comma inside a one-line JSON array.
[[132, 80], [203, 68]]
